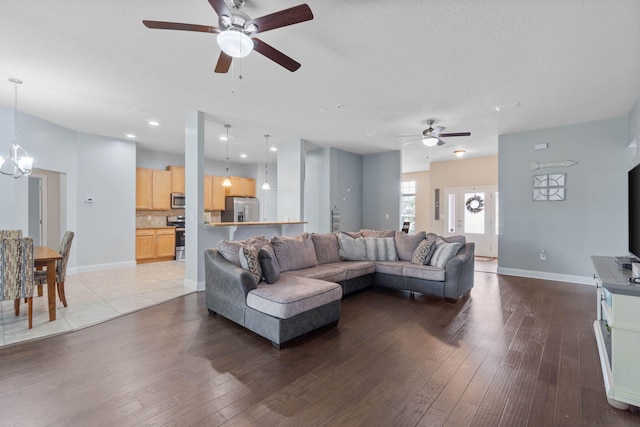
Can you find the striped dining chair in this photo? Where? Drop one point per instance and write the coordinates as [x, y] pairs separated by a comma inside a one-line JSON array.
[[61, 268], [10, 233], [16, 272]]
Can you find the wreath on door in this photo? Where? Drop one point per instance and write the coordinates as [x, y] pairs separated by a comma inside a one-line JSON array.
[[475, 204]]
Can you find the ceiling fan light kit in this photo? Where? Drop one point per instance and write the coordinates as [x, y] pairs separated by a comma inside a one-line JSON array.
[[430, 141], [235, 43]]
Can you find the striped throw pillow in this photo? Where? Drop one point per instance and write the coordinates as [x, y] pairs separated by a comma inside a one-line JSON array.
[[444, 252]]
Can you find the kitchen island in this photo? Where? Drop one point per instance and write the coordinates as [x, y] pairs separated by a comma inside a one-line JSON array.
[[243, 230]]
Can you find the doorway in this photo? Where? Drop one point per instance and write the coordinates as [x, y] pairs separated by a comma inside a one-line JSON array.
[[37, 209], [473, 213]]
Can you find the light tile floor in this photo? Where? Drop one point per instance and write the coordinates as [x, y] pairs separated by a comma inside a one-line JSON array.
[[93, 298]]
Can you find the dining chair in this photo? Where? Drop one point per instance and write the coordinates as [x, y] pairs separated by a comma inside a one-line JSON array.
[[10, 233], [61, 268], [16, 272]]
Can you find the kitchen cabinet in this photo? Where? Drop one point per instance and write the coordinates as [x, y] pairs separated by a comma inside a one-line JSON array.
[[214, 193], [241, 187], [153, 189], [177, 179], [155, 244], [218, 193]]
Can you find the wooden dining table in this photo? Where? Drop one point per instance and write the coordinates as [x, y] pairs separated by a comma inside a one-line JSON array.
[[44, 256]]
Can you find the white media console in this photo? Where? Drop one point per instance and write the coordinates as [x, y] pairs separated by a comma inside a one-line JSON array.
[[617, 331]]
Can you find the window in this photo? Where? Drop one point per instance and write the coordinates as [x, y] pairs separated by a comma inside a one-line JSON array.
[[408, 211]]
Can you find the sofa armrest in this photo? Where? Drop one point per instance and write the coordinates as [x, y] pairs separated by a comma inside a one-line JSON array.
[[459, 272], [227, 286]]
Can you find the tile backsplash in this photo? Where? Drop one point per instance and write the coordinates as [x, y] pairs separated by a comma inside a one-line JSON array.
[[147, 219]]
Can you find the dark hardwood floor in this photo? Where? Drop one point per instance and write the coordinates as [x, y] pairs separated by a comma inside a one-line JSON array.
[[515, 352]]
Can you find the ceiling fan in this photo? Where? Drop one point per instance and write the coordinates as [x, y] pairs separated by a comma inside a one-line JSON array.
[[431, 136], [236, 30]]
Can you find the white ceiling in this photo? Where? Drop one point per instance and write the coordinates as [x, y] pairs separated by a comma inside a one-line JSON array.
[[371, 70]]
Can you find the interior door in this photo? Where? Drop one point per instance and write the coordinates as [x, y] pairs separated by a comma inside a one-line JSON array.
[[473, 213]]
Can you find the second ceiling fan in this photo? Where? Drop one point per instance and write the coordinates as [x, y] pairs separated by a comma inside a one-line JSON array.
[[236, 32], [431, 136]]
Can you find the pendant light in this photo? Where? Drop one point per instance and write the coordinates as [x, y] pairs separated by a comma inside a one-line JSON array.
[[266, 186], [21, 165], [227, 181]]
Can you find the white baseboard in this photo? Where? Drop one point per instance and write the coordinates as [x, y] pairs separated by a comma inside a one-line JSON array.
[[193, 285], [547, 276], [100, 267]]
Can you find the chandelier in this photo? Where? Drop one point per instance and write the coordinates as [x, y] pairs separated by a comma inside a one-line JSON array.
[[18, 157]]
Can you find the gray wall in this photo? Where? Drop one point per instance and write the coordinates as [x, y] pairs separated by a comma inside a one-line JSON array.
[[106, 228], [89, 165], [634, 122], [346, 188], [291, 181], [593, 218], [381, 180]]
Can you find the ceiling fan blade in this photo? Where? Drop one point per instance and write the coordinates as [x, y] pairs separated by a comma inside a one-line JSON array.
[[412, 142], [275, 55], [293, 15], [220, 6], [436, 131], [161, 25], [455, 134], [224, 62], [440, 142]]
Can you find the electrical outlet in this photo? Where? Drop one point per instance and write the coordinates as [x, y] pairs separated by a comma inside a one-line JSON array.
[[543, 255]]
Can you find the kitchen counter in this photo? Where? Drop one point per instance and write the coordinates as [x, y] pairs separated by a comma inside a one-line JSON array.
[[154, 228], [242, 230], [241, 224]]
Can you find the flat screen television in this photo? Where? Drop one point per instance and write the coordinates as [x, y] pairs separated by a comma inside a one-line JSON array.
[[634, 211]]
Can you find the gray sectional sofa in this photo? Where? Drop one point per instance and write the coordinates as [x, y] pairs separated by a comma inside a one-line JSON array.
[[284, 287]]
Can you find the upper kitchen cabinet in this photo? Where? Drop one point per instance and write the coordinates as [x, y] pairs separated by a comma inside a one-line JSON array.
[[241, 187], [214, 193], [153, 189], [177, 179]]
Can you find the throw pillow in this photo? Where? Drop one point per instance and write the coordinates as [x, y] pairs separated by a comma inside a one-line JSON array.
[[249, 261], [327, 247], [269, 264], [443, 253], [424, 252], [294, 253], [351, 249], [380, 249], [230, 249], [375, 233], [406, 244], [451, 239]]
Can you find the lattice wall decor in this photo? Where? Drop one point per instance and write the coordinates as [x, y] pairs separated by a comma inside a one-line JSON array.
[[549, 187]]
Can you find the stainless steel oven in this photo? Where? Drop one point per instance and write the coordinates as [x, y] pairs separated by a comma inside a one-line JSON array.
[[178, 222]]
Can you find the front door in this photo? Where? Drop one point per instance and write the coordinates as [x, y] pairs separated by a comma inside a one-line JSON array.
[[473, 213]]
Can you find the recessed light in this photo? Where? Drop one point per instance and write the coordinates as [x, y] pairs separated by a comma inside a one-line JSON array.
[[244, 156], [459, 153], [273, 148], [371, 133], [223, 138], [153, 123], [130, 135]]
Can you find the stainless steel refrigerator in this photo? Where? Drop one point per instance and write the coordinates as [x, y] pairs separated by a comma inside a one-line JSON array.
[[241, 209]]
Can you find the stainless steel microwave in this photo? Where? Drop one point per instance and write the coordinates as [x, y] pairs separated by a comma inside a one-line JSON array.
[[177, 201]]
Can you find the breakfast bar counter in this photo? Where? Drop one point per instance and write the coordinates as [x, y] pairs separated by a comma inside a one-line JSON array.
[[242, 230]]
